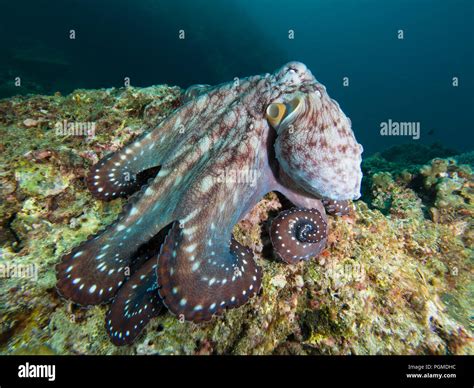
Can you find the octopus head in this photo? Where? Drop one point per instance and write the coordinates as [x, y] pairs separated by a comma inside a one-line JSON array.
[[315, 145]]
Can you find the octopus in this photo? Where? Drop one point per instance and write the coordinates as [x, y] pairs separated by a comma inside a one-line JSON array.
[[215, 157]]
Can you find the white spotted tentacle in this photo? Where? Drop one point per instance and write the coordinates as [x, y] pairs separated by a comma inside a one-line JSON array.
[[299, 234]]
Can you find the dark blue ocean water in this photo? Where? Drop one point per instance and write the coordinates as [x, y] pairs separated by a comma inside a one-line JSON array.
[[403, 80]]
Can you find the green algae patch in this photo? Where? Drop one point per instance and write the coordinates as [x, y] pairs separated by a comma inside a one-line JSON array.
[[41, 180]]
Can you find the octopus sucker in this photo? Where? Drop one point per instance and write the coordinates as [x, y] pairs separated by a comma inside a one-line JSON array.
[[218, 155]]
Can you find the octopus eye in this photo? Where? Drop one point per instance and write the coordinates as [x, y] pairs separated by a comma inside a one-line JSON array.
[[292, 71], [277, 112]]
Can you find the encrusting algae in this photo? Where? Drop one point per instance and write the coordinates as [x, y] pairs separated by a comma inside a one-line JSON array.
[[395, 278]]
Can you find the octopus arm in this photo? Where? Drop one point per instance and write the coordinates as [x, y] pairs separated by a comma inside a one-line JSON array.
[[116, 174], [135, 304], [202, 270], [201, 278], [93, 272]]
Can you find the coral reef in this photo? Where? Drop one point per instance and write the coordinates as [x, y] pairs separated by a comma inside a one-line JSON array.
[[395, 278]]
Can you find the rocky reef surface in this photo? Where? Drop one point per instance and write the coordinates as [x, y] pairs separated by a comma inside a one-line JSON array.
[[395, 278]]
